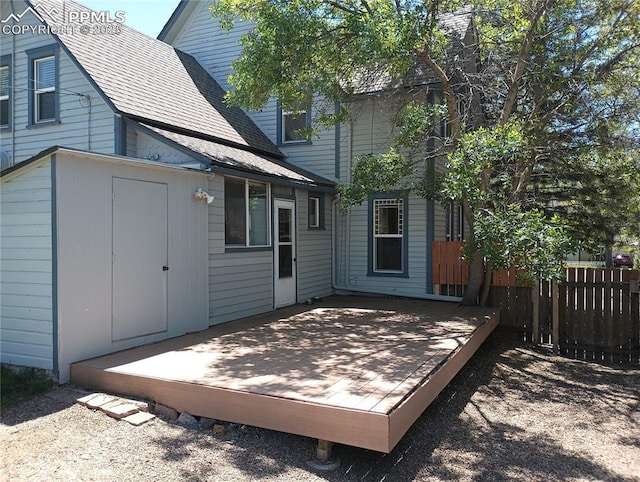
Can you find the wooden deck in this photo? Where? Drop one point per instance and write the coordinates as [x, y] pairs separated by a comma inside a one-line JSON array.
[[351, 370]]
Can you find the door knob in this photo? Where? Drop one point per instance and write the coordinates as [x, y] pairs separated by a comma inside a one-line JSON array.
[[165, 268]]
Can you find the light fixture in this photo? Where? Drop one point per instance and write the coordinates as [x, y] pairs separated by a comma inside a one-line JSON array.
[[201, 195]]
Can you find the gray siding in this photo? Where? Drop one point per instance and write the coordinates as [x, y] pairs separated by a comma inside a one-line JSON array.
[[216, 49], [85, 247], [26, 289], [240, 283], [314, 251], [85, 122], [372, 131]]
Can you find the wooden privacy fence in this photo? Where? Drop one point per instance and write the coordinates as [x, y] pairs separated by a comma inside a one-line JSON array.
[[592, 314]]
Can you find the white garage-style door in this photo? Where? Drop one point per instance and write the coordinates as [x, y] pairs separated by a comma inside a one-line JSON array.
[[140, 258]]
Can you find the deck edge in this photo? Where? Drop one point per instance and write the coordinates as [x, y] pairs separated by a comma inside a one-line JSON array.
[[350, 427], [405, 415]]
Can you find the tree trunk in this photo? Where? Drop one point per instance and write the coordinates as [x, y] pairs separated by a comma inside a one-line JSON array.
[[476, 278], [608, 252]]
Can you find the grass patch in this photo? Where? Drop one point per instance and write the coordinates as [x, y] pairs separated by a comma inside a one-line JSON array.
[[19, 383]]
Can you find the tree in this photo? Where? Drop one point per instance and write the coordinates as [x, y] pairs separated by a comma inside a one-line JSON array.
[[556, 81]]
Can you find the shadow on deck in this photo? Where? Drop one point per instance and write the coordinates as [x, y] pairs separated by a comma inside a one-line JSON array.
[[352, 370]]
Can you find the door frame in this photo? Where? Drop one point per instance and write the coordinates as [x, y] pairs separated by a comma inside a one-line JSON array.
[[126, 322], [284, 293]]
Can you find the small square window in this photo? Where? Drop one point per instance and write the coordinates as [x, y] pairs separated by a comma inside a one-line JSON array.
[[314, 212], [315, 208], [292, 124]]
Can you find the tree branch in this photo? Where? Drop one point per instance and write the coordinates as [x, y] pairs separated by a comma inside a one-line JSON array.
[[339, 6], [365, 4], [449, 93], [512, 95]]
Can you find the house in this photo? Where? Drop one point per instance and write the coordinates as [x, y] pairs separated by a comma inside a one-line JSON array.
[[135, 206], [385, 245]]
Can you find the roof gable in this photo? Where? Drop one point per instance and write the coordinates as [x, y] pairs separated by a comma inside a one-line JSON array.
[[148, 79]]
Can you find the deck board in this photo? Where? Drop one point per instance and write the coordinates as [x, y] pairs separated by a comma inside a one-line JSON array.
[[343, 361]]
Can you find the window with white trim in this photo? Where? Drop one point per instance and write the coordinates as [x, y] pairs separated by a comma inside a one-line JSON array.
[[246, 213], [388, 236], [44, 89], [291, 126], [316, 211], [44, 103], [5, 90]]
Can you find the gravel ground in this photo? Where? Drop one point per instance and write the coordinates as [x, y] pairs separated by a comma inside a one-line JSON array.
[[513, 413]]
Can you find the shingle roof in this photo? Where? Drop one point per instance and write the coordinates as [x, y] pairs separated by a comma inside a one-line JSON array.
[[148, 79], [240, 160]]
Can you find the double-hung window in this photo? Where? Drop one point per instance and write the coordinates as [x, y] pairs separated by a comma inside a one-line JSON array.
[[246, 213], [5, 92], [388, 247], [43, 86]]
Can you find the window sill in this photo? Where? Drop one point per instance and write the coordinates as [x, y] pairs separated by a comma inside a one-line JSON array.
[[295, 143], [43, 124], [387, 274], [246, 249]]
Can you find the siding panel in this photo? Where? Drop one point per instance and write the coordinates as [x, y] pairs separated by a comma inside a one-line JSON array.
[[314, 252], [26, 296]]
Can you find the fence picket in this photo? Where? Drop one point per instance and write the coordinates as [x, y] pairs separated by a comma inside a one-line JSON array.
[[593, 314]]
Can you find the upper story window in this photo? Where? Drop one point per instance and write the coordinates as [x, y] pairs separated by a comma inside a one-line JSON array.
[[43, 86], [388, 239], [246, 213], [291, 127], [5, 92]]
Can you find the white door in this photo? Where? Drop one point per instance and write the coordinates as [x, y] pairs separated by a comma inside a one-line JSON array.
[[284, 253], [140, 254]]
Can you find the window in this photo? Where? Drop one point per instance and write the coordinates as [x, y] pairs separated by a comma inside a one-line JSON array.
[[316, 211], [290, 125], [43, 86], [455, 222], [388, 238], [460, 222], [5, 92], [246, 212]]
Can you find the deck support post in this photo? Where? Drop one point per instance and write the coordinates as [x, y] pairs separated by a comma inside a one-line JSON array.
[[323, 451]]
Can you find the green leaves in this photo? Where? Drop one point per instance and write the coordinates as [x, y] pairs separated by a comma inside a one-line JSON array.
[[375, 173], [511, 238], [481, 168]]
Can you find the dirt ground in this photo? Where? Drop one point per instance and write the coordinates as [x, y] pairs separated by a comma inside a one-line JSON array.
[[515, 412]]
